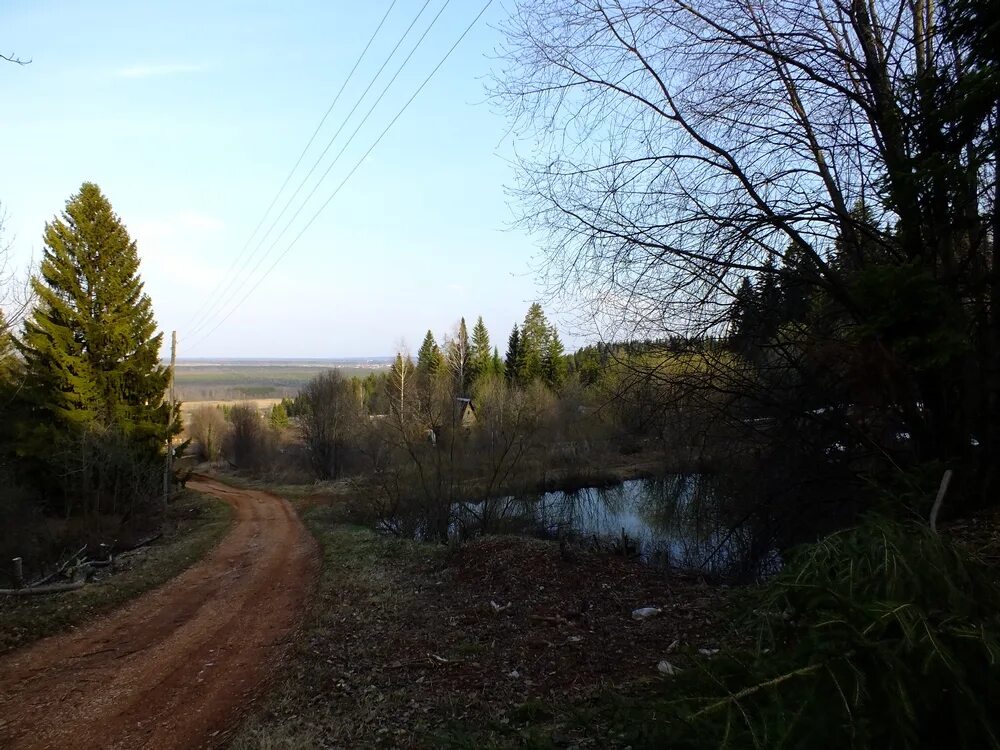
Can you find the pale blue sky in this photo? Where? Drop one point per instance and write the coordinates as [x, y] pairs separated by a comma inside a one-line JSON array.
[[189, 116]]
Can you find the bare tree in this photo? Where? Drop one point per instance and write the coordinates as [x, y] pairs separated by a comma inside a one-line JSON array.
[[686, 146], [401, 378], [247, 441], [16, 293], [208, 428], [331, 413]]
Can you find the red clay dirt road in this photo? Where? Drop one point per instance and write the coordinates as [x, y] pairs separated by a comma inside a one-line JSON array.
[[178, 666]]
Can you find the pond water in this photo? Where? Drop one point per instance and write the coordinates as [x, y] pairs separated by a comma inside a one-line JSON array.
[[681, 521]]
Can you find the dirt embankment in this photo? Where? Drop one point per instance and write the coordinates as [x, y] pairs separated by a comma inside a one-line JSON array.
[[177, 667]]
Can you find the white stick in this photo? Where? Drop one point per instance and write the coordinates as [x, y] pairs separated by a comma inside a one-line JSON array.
[[942, 491]]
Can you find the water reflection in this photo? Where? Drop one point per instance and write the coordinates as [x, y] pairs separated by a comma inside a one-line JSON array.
[[682, 521]]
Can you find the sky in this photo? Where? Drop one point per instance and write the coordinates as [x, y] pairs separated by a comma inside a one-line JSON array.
[[190, 116]]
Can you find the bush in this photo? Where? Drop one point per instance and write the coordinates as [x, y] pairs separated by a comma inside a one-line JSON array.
[[248, 444], [208, 429], [885, 635], [329, 417]]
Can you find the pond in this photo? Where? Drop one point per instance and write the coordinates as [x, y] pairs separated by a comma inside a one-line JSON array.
[[679, 521]]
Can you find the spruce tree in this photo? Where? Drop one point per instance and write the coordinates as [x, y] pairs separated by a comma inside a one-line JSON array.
[[743, 317], [481, 355], [278, 418], [797, 283], [8, 358], [534, 344], [554, 361], [10, 380], [429, 357], [90, 348], [514, 362]]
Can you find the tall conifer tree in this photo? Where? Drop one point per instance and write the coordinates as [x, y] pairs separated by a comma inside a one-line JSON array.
[[481, 357], [534, 344], [91, 350], [554, 360], [514, 362], [429, 357]]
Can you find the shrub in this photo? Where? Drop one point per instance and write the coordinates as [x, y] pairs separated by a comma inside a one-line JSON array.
[[885, 635], [248, 444], [330, 414], [207, 429]]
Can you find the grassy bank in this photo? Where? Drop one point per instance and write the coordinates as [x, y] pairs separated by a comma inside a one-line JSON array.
[[195, 524], [881, 635], [499, 642]]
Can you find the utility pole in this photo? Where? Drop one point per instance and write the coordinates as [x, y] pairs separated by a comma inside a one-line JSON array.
[[168, 463]]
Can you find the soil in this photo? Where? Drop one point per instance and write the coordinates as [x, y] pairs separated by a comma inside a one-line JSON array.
[[179, 666]]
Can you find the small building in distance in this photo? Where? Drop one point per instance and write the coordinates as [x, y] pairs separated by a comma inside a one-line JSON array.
[[465, 412]]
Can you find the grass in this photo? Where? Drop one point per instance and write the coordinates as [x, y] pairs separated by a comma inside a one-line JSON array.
[[404, 648], [201, 521]]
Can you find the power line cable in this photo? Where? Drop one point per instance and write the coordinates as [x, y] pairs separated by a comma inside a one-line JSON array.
[[343, 182], [224, 299], [298, 161], [232, 287]]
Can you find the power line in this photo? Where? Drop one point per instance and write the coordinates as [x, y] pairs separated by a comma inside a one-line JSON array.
[[343, 182], [298, 161], [223, 300]]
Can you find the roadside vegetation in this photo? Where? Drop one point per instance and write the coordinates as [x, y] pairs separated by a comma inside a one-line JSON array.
[[85, 419], [194, 524], [513, 642]]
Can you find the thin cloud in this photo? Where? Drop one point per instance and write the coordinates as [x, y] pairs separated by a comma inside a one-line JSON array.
[[150, 71]]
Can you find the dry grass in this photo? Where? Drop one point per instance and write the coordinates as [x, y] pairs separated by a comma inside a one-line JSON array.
[[405, 648]]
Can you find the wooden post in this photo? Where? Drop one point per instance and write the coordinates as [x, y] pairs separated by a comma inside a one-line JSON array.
[[18, 573]]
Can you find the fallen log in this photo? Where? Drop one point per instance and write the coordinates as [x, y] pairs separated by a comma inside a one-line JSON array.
[[54, 588], [142, 542], [59, 570]]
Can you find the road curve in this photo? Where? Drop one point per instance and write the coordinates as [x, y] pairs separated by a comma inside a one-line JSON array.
[[177, 667]]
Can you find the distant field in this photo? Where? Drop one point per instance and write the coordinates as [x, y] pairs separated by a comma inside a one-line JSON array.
[[236, 380], [263, 404]]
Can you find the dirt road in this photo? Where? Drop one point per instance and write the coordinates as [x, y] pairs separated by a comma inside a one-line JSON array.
[[176, 667]]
